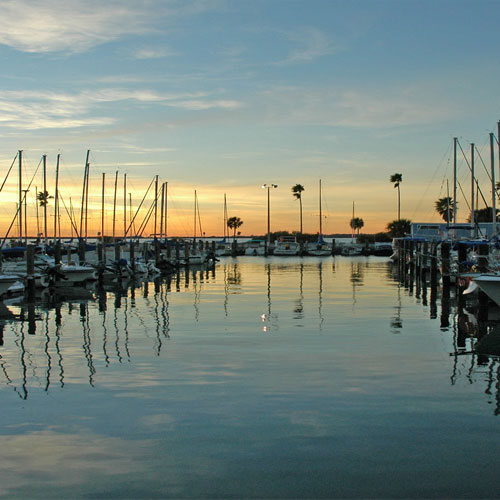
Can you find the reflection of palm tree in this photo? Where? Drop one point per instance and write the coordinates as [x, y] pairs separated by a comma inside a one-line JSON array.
[[297, 192], [397, 179]]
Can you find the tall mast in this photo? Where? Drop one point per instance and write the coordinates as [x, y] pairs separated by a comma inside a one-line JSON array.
[[124, 206], [493, 186], [166, 209], [225, 218], [195, 205], [45, 198], [161, 208], [156, 205], [102, 206], [455, 180], [320, 214], [56, 198], [85, 174], [473, 188], [20, 206], [114, 206], [352, 233], [130, 213]]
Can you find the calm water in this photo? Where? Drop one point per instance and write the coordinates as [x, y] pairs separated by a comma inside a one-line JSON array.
[[279, 379]]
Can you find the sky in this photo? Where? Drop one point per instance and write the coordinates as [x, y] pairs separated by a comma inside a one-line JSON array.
[[224, 96]]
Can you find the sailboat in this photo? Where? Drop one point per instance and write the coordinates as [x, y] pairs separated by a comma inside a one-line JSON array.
[[197, 255], [223, 247], [320, 247], [352, 248]]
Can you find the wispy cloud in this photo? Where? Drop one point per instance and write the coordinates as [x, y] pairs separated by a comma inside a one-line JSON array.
[[312, 42], [77, 25], [68, 25], [153, 53], [40, 110], [355, 107]]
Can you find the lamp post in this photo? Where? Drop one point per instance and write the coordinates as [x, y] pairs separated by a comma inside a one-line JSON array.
[[268, 239]]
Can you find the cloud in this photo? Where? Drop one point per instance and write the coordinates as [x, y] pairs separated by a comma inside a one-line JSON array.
[[68, 25], [154, 53], [354, 107], [31, 110], [313, 44], [75, 26]]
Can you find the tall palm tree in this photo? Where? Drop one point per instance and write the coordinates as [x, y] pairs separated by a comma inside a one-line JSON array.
[[234, 223], [445, 207], [397, 179], [297, 192], [357, 223]]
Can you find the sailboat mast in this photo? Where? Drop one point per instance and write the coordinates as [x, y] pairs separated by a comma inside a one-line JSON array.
[[166, 209], [225, 218], [45, 198], [114, 206], [455, 180], [85, 174], [352, 233], [102, 205], [156, 205], [195, 205], [162, 204], [56, 198], [493, 186], [124, 206], [20, 206], [473, 188], [320, 214]]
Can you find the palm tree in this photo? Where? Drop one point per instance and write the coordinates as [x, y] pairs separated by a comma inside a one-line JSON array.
[[445, 207], [297, 192], [398, 228], [43, 197], [234, 223], [356, 224], [397, 179]]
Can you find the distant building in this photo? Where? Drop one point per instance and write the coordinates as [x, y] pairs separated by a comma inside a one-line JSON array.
[[459, 231]]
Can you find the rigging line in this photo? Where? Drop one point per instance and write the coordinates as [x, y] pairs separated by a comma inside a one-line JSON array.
[[199, 217], [463, 194], [470, 168], [447, 152], [69, 215], [139, 207], [7, 176], [20, 207], [481, 158], [145, 221]]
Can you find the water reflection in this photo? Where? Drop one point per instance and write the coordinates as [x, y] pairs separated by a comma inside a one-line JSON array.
[[87, 333]]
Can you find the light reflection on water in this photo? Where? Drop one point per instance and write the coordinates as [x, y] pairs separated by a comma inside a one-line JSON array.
[[262, 378]]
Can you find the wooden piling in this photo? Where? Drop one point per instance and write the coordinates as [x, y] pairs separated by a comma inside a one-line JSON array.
[[132, 255], [81, 251], [445, 269], [186, 254], [57, 252], [30, 273]]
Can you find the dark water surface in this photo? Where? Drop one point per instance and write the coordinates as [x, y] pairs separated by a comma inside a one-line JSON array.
[[284, 378]]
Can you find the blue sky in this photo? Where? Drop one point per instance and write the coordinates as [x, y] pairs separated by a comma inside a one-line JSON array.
[[223, 96]]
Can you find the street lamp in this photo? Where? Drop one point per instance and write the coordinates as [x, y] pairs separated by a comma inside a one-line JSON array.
[[268, 239]]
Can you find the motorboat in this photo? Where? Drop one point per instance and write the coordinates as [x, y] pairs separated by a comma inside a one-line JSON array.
[[287, 246], [255, 247]]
